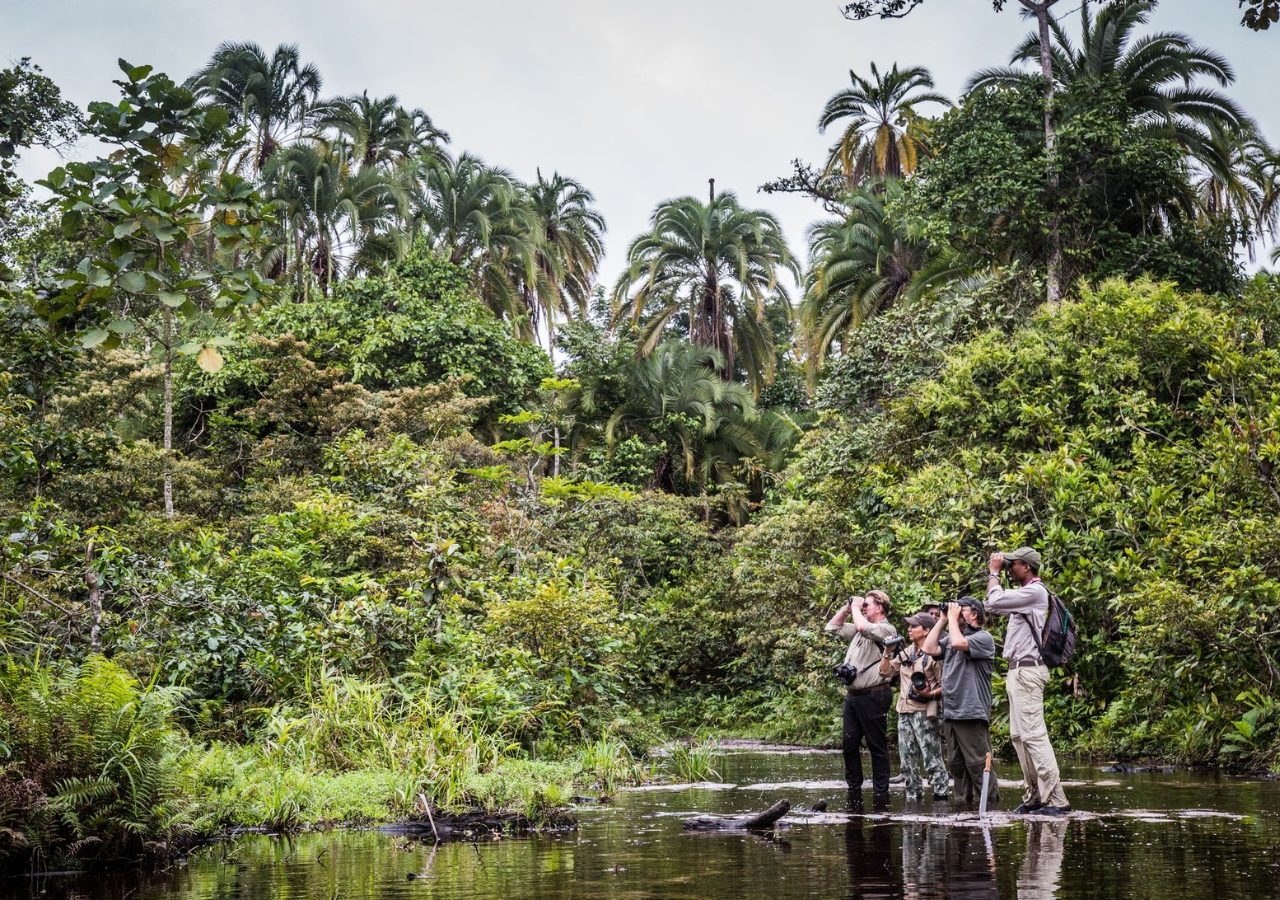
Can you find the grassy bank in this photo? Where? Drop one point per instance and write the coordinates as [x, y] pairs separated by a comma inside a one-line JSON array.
[[101, 769]]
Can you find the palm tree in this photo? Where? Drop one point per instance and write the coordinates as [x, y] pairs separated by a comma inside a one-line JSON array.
[[861, 265], [380, 131], [571, 230], [1156, 72], [718, 263], [676, 398], [478, 217], [336, 220], [884, 135], [272, 96], [1245, 191]]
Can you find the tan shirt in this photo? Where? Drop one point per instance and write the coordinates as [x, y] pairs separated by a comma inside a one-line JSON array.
[[903, 663], [1031, 599], [864, 653]]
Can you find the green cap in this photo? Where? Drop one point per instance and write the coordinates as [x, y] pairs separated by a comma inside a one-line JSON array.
[[1026, 554]]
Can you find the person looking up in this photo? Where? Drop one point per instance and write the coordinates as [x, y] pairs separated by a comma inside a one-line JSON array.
[[968, 653], [863, 622], [1026, 603]]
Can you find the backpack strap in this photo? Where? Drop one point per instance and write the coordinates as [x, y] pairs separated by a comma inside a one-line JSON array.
[[1031, 625]]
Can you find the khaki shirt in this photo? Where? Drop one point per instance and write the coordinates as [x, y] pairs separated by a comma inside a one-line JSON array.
[[1031, 599], [903, 663], [864, 653]]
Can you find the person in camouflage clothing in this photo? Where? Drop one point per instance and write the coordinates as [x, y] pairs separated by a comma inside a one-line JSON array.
[[919, 727]]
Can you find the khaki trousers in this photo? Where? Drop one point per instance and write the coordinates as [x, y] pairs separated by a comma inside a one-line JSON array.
[[1041, 782]]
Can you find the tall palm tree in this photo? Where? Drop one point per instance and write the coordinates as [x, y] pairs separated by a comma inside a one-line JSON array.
[[1156, 71], [675, 397], [336, 220], [272, 95], [1245, 191], [861, 265], [380, 131], [477, 216], [571, 232], [884, 134], [717, 262]]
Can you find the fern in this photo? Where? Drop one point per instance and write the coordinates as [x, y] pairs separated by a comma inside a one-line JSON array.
[[98, 755]]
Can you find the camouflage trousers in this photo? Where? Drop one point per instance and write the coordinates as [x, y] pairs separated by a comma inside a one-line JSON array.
[[920, 753]]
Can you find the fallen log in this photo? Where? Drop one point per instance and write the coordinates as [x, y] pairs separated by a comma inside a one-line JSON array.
[[739, 823]]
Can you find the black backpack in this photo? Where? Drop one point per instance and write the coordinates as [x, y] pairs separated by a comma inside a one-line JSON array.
[[1057, 642]]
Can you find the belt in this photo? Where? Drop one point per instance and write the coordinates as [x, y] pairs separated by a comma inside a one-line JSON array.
[[854, 692], [1023, 663]]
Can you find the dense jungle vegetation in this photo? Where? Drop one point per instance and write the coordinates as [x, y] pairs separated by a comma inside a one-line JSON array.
[[335, 483]]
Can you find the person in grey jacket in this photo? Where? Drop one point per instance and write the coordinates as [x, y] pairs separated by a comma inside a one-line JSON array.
[[1026, 603], [968, 652], [863, 622]]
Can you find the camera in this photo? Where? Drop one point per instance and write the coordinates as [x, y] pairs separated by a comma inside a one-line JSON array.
[[919, 684], [846, 673]]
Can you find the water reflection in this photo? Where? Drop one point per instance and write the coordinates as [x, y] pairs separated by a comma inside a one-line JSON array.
[[1143, 843], [868, 847], [1041, 869]]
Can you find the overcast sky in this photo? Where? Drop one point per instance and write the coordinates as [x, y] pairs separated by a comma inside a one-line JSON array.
[[640, 101]]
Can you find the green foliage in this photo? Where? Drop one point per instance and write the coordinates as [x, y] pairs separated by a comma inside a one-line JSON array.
[[692, 761], [32, 114], [416, 325], [91, 769], [1127, 434], [1123, 201]]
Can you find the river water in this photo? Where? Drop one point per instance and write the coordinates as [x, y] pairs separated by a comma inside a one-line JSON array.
[[1183, 835]]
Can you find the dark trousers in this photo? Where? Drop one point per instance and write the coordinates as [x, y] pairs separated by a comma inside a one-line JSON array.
[[968, 743], [866, 718]]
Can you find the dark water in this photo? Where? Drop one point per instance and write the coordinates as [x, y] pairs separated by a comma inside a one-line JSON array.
[[1183, 836]]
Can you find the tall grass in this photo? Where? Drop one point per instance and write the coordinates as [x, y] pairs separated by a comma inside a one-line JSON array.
[[693, 761], [608, 763]]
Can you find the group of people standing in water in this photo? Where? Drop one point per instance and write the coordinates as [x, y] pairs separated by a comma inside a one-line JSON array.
[[943, 670]]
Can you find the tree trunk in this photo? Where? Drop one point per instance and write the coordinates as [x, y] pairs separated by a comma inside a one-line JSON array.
[[739, 823], [94, 584], [1053, 277], [168, 412]]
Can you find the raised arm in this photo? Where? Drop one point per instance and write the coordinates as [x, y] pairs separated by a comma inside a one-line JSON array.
[[930, 644]]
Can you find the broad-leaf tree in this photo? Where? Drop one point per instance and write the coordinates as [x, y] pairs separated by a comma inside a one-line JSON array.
[[147, 210], [1156, 71], [1040, 11]]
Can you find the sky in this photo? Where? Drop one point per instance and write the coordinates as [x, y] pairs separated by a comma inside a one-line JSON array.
[[640, 102]]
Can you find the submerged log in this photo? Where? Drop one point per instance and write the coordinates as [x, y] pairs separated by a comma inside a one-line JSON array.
[[739, 823], [473, 825]]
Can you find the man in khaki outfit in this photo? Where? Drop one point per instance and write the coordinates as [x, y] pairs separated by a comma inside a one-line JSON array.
[[863, 622], [1026, 603]]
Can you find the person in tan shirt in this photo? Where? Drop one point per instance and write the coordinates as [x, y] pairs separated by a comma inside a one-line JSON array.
[[919, 728], [863, 621], [1026, 603]]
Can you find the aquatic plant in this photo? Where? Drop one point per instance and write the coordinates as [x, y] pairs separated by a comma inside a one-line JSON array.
[[693, 761]]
